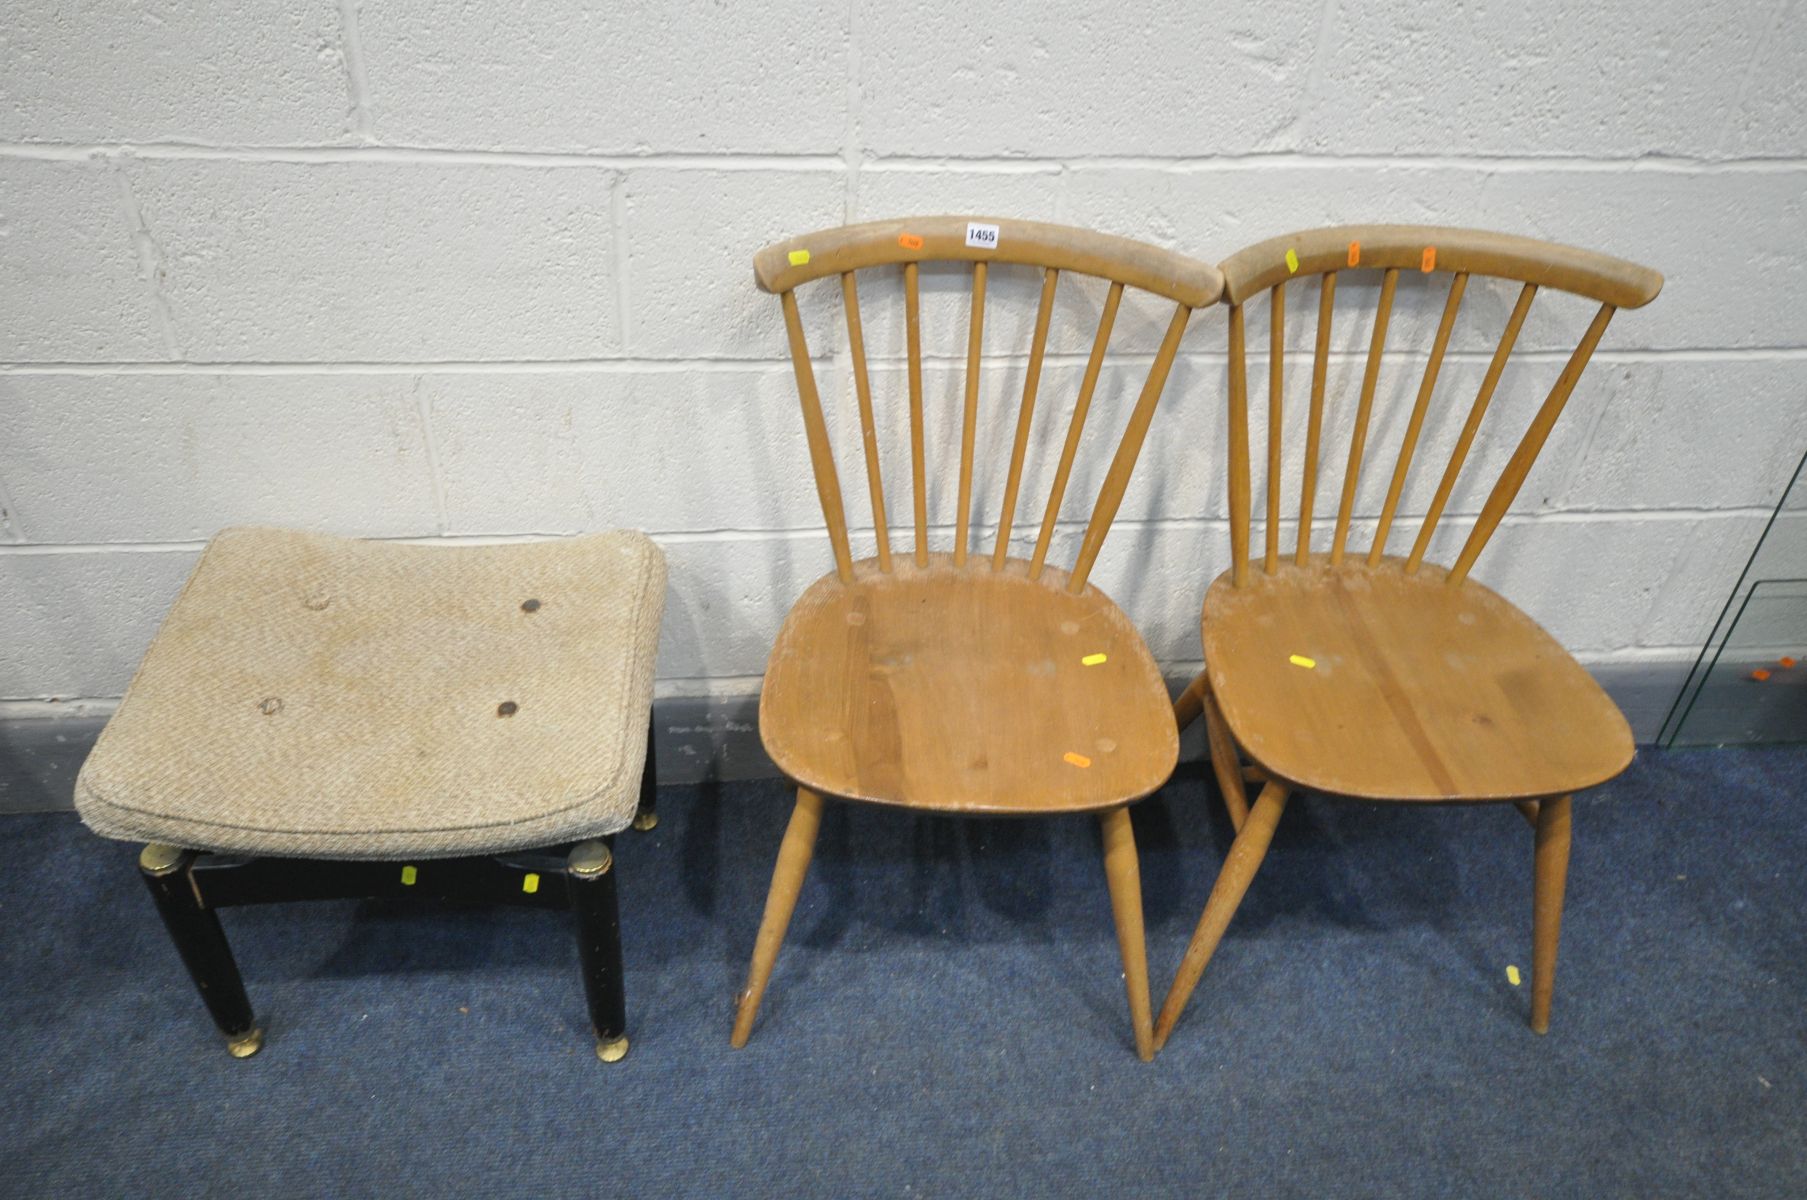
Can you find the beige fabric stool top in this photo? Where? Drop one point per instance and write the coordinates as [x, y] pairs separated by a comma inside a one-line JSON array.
[[328, 697]]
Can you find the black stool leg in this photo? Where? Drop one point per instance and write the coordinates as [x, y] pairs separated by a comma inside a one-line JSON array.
[[202, 945], [646, 816], [590, 881]]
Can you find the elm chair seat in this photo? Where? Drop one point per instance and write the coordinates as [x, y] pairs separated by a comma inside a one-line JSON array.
[[318, 696], [315, 705], [1414, 690]]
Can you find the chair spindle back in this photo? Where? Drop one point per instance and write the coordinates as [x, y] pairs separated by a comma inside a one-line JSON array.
[[982, 242], [1459, 253]]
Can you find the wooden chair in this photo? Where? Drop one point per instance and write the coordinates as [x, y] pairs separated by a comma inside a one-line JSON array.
[[960, 682], [1379, 677]]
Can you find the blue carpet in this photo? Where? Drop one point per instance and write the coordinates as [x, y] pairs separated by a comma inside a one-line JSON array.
[[947, 1017]]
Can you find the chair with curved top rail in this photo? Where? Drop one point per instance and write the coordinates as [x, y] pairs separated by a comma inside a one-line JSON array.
[[954, 682], [1379, 677]]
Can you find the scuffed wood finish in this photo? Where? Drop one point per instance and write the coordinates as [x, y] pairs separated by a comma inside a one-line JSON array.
[[962, 689], [794, 853], [1123, 873], [1422, 691], [943, 238], [1600, 277], [1551, 880]]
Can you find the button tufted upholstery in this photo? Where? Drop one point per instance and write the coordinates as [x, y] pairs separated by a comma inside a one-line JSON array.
[[328, 697]]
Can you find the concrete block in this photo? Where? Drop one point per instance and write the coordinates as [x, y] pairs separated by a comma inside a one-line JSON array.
[[691, 237], [70, 288], [621, 79], [356, 262], [98, 458], [256, 72], [663, 451], [1069, 79], [77, 623], [1511, 80]]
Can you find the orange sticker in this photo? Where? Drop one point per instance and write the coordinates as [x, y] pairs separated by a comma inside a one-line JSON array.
[[910, 241], [1078, 760], [1355, 253], [1430, 259], [1787, 664], [1759, 674]]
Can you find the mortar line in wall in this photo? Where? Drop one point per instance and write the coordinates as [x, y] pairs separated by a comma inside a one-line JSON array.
[[813, 532], [977, 163], [351, 50], [630, 365]]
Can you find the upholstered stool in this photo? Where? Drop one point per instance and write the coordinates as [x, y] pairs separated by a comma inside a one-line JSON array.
[[433, 720]]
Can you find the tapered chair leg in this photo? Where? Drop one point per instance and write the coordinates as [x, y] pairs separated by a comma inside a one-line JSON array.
[[1225, 763], [1191, 702], [787, 881], [1124, 875], [1546, 905], [1232, 883], [590, 883], [646, 814], [202, 944]]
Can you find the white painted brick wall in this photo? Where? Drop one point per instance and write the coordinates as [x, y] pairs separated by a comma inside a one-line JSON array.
[[397, 270]]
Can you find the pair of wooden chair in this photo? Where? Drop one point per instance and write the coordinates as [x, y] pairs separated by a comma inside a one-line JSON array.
[[973, 683]]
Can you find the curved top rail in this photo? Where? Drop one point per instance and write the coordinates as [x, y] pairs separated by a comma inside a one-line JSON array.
[[781, 267], [1601, 277]]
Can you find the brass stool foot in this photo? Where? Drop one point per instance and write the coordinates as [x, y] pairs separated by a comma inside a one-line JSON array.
[[611, 1050], [644, 821], [247, 1044]]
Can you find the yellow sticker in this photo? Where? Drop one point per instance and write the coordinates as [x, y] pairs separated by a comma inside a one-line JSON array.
[[1292, 261], [1092, 660], [408, 876], [1078, 760], [530, 883], [799, 258], [1512, 976], [1299, 660]]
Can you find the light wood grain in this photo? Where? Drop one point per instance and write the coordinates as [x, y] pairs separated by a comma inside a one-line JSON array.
[[1225, 763], [969, 421], [1528, 448], [815, 432], [1123, 874], [1421, 691], [1276, 391], [1599, 277], [1358, 439], [918, 460], [1426, 386], [1239, 448], [962, 689], [862, 386], [1457, 456], [1314, 429], [794, 853], [1551, 881], [1129, 447], [1075, 427], [1025, 414], [877, 243], [1246, 854]]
